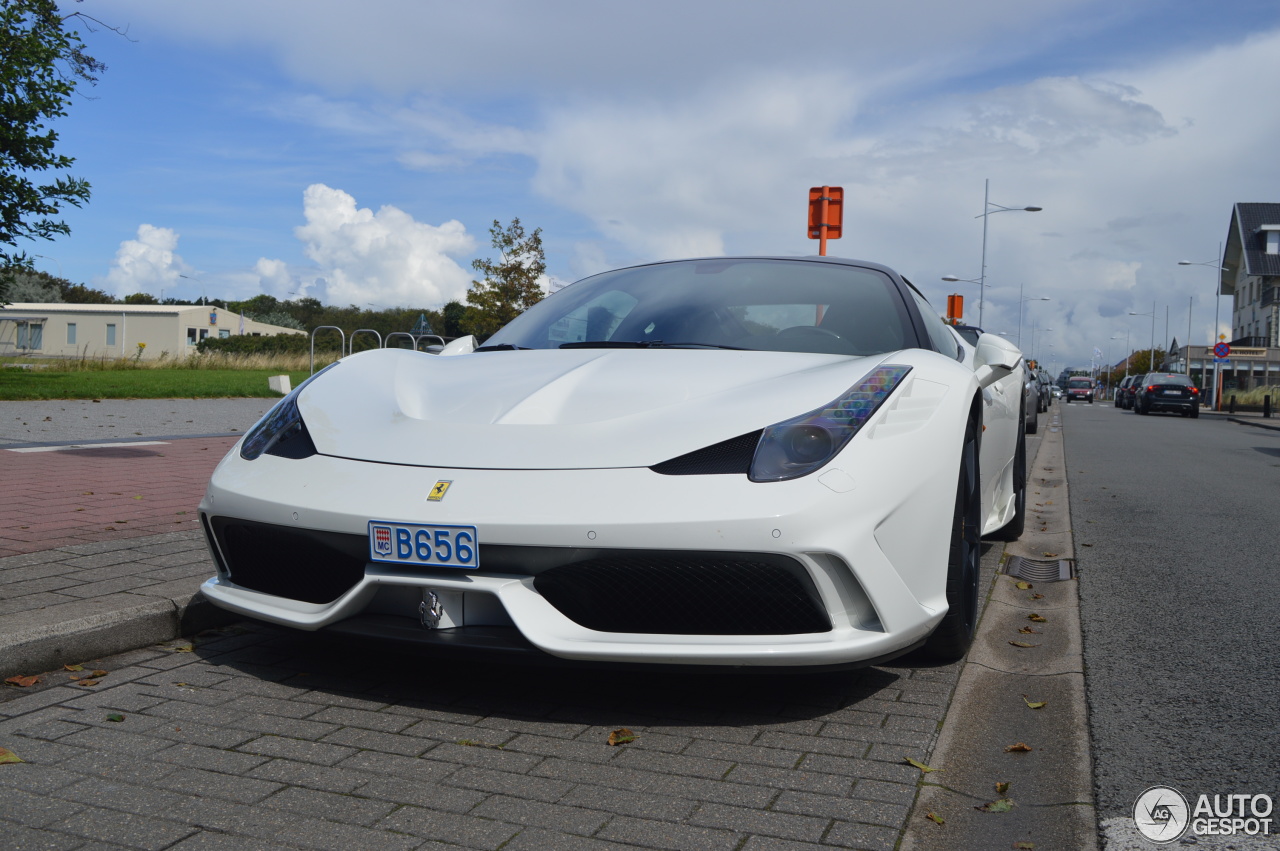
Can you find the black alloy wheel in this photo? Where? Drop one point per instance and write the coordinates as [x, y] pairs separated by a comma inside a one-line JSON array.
[[954, 634]]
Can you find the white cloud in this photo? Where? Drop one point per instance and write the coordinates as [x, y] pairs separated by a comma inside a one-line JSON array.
[[146, 264], [385, 258]]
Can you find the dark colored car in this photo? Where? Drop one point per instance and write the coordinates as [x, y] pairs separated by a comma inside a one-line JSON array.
[[1125, 391], [1045, 386], [1167, 391], [1080, 387]]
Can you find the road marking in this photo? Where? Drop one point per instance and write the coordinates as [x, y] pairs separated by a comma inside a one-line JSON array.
[[62, 447]]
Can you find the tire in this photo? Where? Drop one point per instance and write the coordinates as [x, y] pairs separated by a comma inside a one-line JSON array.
[[1195, 413], [1035, 423], [954, 633], [1013, 530]]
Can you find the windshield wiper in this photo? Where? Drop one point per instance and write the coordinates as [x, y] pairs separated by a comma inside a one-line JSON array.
[[503, 347], [644, 344]]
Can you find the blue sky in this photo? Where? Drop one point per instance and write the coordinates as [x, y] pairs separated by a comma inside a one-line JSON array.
[[359, 156]]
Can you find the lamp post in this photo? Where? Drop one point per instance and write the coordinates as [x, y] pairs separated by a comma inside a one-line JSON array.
[[989, 208], [204, 301], [1217, 367], [1021, 302], [953, 279], [1033, 339], [1151, 366]]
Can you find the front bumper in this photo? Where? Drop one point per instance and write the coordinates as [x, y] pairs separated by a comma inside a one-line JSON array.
[[871, 548]]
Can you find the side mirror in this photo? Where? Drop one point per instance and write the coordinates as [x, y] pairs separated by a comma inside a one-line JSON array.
[[994, 359], [461, 346]]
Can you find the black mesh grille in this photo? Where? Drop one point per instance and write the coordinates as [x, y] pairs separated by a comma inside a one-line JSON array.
[[728, 456], [686, 594], [301, 564]]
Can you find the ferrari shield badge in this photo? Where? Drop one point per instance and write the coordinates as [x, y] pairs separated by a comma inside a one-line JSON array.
[[438, 492]]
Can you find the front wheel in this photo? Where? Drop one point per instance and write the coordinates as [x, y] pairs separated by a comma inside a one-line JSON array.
[[953, 635], [1013, 530]]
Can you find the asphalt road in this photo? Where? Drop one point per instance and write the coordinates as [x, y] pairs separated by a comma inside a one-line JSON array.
[[1175, 524]]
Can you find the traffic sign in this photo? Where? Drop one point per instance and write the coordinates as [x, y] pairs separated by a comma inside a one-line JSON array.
[[1222, 350]]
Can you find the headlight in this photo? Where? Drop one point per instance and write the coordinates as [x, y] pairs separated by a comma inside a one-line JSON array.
[[281, 430], [797, 447]]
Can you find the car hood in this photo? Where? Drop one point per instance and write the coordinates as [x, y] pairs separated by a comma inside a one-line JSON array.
[[561, 409]]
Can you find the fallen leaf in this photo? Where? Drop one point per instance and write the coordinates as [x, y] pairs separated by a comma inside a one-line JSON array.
[[7, 756], [1024, 846], [1024, 645], [88, 682], [1037, 618], [1037, 597], [920, 765], [1003, 805], [935, 818], [1002, 787], [1034, 704], [73, 667], [100, 674], [22, 682], [1086, 545], [87, 493], [1026, 630], [1023, 585], [115, 716], [137, 497], [1018, 748], [621, 736], [1050, 555], [187, 648], [472, 743]]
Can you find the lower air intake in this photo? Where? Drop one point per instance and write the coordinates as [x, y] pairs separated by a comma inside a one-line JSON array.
[[687, 594]]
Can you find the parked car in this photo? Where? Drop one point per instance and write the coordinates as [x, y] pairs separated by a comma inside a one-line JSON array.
[[1045, 384], [1124, 392], [1080, 388], [1057, 392], [741, 461], [1167, 391]]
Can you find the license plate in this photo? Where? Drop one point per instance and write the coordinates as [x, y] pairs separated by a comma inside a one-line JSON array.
[[413, 543], [1171, 392]]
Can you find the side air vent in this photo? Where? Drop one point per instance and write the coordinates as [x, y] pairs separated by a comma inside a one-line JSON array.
[[729, 456]]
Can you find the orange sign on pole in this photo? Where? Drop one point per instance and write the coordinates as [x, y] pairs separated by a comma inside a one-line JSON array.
[[955, 308], [826, 214]]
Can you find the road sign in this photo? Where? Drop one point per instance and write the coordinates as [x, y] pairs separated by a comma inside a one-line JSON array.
[[826, 214], [1222, 350]]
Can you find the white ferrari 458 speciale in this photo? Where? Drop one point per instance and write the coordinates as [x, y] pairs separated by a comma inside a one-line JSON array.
[[754, 461]]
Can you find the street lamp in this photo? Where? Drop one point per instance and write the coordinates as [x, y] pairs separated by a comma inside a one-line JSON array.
[[953, 279], [203, 300], [989, 208], [1032, 350], [1217, 367], [1151, 366], [1021, 302]]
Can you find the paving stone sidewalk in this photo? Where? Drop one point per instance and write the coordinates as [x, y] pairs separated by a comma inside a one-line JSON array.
[[247, 736]]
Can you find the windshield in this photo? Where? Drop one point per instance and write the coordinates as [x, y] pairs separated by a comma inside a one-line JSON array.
[[764, 305], [1080, 382]]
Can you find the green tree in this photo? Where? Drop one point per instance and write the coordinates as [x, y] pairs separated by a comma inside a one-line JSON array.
[[453, 315], [511, 284], [141, 298], [42, 62]]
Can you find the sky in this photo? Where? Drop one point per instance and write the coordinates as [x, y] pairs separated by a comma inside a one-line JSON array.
[[359, 153]]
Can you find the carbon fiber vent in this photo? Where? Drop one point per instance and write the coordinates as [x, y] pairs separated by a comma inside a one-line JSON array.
[[687, 594], [726, 457]]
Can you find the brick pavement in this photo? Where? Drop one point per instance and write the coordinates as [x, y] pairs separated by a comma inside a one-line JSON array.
[[261, 738], [256, 737], [63, 497]]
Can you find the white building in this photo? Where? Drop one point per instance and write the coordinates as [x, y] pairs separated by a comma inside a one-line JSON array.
[[116, 330]]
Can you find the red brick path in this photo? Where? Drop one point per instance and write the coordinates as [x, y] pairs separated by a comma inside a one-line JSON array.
[[76, 496]]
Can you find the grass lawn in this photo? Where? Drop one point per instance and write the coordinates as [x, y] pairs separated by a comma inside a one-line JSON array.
[[30, 384]]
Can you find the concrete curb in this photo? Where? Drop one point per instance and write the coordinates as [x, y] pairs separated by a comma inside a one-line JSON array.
[[1051, 786], [46, 639]]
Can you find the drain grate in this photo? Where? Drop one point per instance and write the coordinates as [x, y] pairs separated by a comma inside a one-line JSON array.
[[1040, 570]]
